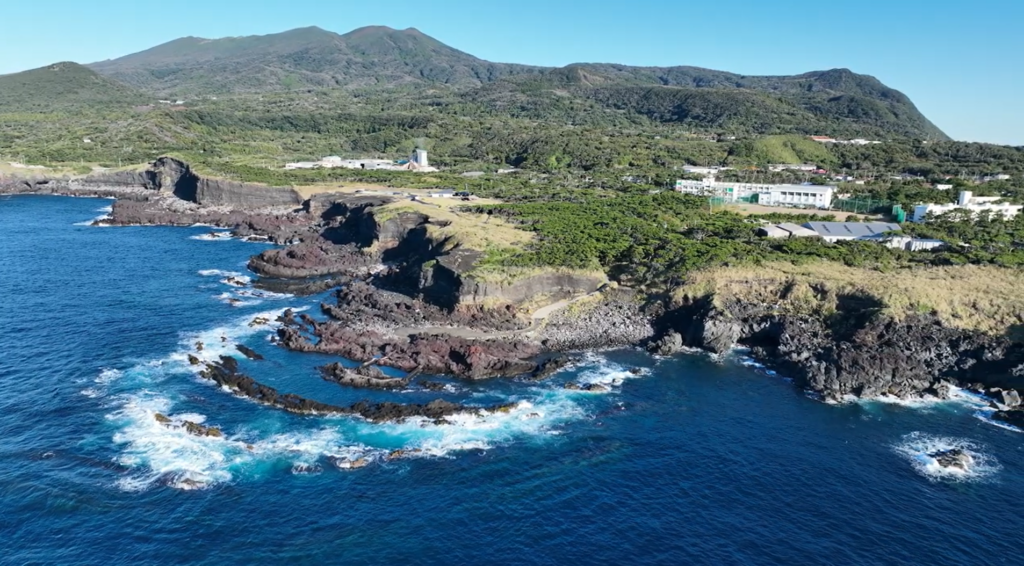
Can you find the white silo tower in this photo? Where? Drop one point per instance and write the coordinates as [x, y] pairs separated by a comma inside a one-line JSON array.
[[419, 157]]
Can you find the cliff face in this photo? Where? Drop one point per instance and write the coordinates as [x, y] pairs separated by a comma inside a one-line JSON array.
[[856, 349], [424, 264], [165, 176]]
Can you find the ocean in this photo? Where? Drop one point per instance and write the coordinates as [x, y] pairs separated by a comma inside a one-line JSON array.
[[694, 460]]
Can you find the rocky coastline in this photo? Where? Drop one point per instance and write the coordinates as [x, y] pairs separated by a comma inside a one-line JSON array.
[[856, 352], [405, 300]]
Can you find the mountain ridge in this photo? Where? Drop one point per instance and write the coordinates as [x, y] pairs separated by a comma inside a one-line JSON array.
[[380, 58]]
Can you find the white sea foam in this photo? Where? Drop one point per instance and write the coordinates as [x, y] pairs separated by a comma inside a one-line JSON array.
[[221, 340], [158, 453], [237, 281], [93, 221], [470, 431], [917, 448], [219, 273], [109, 375], [598, 370], [212, 237], [261, 294], [957, 396], [233, 300]]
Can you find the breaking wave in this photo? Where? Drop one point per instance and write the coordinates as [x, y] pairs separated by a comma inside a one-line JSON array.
[[159, 453], [919, 449], [213, 236]]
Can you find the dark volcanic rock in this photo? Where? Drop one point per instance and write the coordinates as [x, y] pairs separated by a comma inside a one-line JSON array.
[[225, 374], [190, 427], [549, 367], [275, 227], [313, 258], [671, 343], [248, 352], [361, 305], [956, 459], [856, 351], [369, 377], [1013, 418], [475, 359]]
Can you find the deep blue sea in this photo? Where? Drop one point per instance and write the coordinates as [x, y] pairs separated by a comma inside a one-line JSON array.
[[695, 461]]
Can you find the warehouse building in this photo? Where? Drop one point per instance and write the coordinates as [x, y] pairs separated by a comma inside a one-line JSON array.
[[837, 231]]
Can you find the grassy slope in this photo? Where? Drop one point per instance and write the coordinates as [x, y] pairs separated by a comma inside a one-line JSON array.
[[984, 298]]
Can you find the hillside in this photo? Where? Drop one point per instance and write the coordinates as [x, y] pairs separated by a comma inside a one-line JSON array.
[[62, 87], [302, 58], [835, 102]]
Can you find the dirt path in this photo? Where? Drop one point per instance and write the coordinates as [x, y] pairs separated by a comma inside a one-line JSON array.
[[536, 321]]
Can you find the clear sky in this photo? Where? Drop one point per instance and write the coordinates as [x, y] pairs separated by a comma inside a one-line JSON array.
[[961, 62]]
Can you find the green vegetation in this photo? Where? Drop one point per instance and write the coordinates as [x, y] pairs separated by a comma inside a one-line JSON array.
[[596, 146], [648, 238]]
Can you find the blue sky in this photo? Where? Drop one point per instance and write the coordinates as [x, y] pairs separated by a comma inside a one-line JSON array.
[[961, 62]]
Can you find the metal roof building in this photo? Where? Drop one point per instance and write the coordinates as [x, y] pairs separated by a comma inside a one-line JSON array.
[[797, 231], [786, 230], [835, 231]]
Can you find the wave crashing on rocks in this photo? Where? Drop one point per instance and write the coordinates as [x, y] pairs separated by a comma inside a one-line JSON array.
[[946, 459]]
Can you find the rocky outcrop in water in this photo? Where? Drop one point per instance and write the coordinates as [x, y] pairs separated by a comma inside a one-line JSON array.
[[955, 459], [225, 374], [248, 352], [366, 377], [195, 429], [279, 227]]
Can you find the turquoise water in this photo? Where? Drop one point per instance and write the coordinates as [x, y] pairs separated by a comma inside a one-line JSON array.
[[695, 460]]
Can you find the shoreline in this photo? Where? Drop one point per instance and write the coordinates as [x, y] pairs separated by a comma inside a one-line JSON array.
[[322, 237]]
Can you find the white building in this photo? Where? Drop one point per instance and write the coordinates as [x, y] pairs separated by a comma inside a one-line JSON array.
[[769, 195], [911, 244], [806, 167], [941, 187], [711, 171], [968, 201]]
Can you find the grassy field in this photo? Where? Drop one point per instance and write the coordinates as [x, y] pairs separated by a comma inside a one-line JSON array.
[[984, 298], [475, 231]]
